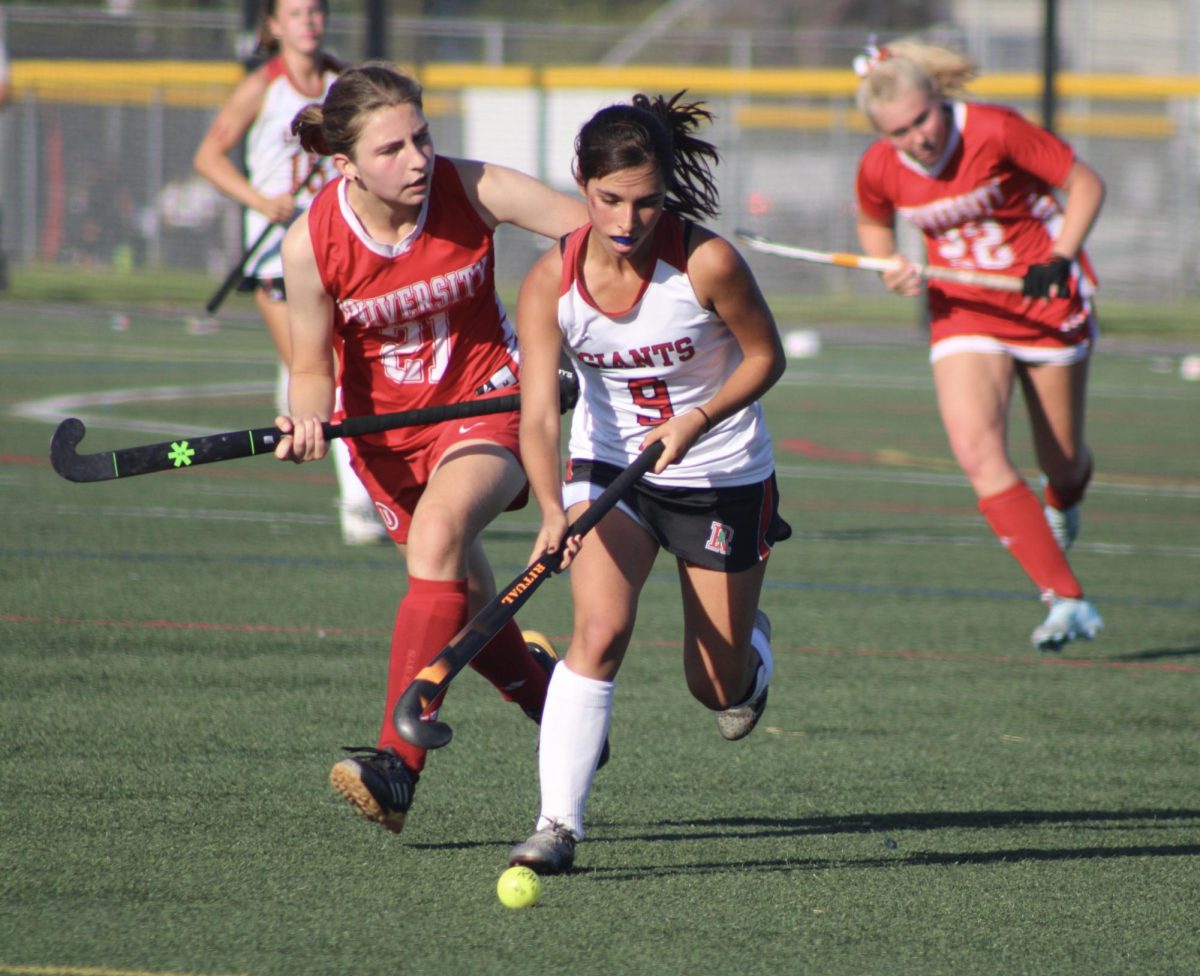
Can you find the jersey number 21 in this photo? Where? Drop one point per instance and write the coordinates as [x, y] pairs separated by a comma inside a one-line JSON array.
[[421, 351]]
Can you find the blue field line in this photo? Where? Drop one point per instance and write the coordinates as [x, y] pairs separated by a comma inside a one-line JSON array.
[[504, 571]]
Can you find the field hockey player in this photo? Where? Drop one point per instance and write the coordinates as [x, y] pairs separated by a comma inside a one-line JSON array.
[[390, 285], [979, 181]]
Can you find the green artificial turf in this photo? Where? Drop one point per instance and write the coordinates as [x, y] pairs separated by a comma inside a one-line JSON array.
[[184, 654]]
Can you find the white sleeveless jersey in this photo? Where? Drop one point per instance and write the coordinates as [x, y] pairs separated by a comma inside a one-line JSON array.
[[663, 356], [275, 163]]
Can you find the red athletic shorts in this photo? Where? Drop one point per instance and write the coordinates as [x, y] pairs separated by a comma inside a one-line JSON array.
[[397, 481]]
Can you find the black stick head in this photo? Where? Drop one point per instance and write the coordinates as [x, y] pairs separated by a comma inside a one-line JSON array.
[[406, 717], [63, 443]]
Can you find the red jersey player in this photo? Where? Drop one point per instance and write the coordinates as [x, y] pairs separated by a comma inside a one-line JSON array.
[[390, 276], [979, 181]]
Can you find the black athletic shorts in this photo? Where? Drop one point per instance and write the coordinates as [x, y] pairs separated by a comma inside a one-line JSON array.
[[271, 287], [726, 529]]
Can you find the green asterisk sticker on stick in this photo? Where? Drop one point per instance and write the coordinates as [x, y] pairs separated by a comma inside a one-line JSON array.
[[181, 454]]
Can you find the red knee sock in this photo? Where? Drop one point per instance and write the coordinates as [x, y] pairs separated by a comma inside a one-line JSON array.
[[430, 614], [1015, 515], [1064, 499], [507, 664]]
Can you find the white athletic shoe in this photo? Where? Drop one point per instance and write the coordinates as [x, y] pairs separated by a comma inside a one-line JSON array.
[[1064, 525], [1068, 620], [738, 722], [361, 525]]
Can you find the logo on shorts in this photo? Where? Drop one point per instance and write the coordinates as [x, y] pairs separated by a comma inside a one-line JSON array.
[[467, 428], [720, 539], [390, 522]]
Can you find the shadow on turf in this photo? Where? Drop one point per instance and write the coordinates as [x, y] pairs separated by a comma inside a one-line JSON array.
[[894, 859], [884, 825], [933, 820], [1158, 654]]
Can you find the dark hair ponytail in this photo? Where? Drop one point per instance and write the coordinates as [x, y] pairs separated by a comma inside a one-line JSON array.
[[659, 131]]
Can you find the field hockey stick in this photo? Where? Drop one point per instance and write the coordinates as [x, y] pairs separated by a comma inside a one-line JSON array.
[[433, 679], [963, 276], [189, 452], [237, 271]]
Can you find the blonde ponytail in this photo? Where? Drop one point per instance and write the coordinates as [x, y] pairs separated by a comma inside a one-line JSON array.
[[889, 70]]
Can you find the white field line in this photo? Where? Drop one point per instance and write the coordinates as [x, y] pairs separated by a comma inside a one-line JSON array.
[[53, 409]]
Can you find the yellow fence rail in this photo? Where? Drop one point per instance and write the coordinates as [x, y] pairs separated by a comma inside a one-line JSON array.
[[204, 84]]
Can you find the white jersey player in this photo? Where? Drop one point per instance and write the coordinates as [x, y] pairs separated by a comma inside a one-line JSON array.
[[673, 343], [660, 358], [276, 165], [279, 182]]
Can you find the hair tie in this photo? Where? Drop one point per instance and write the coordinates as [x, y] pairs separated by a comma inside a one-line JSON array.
[[872, 55]]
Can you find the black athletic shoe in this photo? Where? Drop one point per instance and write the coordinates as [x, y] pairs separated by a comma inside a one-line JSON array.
[[546, 656], [544, 653], [550, 851], [377, 783]]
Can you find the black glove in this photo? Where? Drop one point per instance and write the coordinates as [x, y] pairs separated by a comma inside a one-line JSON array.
[[1040, 278]]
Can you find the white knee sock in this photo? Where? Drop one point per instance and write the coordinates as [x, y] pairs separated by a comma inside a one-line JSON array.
[[574, 724], [762, 644]]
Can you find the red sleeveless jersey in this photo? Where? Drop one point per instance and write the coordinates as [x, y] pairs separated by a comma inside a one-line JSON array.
[[987, 205], [419, 323]]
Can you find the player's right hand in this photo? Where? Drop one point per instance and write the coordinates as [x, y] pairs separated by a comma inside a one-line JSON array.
[[278, 209], [904, 280], [302, 441], [552, 537]]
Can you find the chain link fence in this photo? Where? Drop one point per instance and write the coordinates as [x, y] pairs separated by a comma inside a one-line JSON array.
[[95, 165]]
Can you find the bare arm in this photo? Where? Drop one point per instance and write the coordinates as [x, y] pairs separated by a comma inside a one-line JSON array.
[[541, 347], [724, 283], [227, 130], [878, 240], [310, 319], [508, 196], [1084, 190]]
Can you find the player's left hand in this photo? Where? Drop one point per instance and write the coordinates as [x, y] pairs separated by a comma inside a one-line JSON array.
[[678, 435], [1050, 279]]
